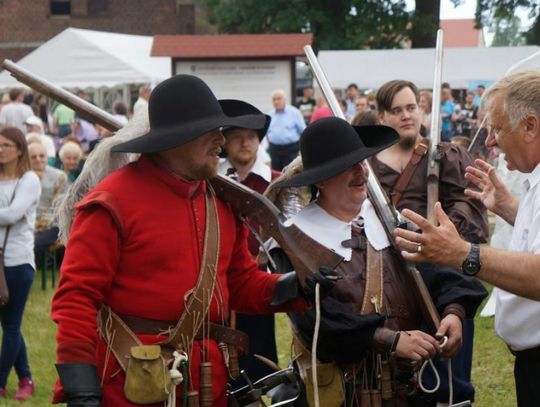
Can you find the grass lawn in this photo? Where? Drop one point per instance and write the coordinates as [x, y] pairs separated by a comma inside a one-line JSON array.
[[492, 364]]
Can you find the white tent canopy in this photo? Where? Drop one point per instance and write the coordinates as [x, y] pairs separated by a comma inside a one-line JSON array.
[[92, 59], [463, 68]]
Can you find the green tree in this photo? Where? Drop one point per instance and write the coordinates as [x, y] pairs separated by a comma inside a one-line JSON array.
[[335, 24], [507, 32], [487, 10], [424, 23]]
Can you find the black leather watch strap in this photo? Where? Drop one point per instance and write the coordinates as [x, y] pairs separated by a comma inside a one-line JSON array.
[[471, 265]]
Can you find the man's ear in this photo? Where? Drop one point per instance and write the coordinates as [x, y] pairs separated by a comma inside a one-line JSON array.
[[532, 128]]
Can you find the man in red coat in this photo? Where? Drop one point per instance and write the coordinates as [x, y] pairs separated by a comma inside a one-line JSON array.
[[136, 247]]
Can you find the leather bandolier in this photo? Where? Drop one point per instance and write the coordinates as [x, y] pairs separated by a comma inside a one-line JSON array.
[[372, 282], [119, 332]]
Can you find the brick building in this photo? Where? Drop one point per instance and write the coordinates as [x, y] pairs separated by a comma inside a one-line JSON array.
[[26, 24]]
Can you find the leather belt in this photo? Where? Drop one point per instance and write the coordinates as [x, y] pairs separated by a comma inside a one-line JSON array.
[[532, 353], [219, 333]]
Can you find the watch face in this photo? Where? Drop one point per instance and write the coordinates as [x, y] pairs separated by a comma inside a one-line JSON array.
[[471, 265]]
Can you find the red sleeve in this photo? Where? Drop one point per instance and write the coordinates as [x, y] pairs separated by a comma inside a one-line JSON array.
[[90, 262], [251, 290]]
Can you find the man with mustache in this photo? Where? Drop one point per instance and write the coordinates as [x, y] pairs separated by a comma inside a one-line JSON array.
[[402, 171], [154, 256], [370, 324]]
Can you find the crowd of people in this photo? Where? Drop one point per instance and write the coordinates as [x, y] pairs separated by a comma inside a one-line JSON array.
[[42, 151], [459, 109], [161, 220]]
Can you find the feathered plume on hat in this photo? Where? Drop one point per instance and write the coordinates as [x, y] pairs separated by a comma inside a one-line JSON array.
[[100, 163]]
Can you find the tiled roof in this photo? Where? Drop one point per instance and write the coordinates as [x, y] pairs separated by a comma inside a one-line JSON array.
[[230, 45], [461, 33]]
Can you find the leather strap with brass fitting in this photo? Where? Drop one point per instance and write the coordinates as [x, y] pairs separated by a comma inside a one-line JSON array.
[[217, 332], [120, 338], [402, 182]]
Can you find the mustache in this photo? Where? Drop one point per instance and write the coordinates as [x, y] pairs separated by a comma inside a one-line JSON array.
[[356, 181]]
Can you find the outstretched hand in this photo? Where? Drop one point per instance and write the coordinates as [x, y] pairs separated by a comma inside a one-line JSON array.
[[492, 191], [435, 244]]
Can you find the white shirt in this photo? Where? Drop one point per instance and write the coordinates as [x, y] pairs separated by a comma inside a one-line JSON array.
[[330, 231], [140, 105], [21, 215], [259, 168], [14, 114], [517, 319]]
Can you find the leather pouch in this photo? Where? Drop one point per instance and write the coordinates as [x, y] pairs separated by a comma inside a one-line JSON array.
[[4, 291], [147, 376], [331, 386]]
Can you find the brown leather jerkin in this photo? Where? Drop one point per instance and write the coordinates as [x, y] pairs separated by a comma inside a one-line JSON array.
[[402, 182]]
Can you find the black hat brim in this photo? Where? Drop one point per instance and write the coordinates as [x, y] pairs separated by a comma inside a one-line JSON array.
[[375, 138], [157, 140], [261, 132]]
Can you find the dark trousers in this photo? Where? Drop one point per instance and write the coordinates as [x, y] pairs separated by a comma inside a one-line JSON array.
[[527, 376], [43, 239], [64, 130], [19, 280], [262, 341], [282, 155], [461, 374]]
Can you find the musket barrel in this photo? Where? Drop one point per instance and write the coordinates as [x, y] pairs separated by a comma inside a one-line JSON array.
[[81, 106], [435, 135]]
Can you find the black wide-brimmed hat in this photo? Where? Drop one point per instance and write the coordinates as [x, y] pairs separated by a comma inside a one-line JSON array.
[[330, 146], [236, 108], [181, 109]]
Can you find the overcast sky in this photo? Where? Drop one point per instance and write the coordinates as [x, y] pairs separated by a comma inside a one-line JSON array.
[[465, 10]]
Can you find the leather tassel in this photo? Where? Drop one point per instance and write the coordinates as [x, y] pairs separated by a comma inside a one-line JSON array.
[[386, 381], [365, 398], [375, 396], [206, 384], [193, 398], [234, 365]]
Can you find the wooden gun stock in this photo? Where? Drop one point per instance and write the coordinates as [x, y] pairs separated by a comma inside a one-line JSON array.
[[305, 254]]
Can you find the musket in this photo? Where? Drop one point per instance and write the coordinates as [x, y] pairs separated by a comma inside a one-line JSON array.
[[305, 254], [85, 109], [387, 213], [434, 159], [252, 393]]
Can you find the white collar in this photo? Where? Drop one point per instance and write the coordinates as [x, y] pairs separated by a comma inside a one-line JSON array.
[[533, 178], [330, 231], [259, 168]]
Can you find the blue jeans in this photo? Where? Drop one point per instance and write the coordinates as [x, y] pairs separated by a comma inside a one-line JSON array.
[[19, 280]]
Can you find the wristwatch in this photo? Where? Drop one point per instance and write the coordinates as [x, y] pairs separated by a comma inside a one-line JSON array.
[[471, 265]]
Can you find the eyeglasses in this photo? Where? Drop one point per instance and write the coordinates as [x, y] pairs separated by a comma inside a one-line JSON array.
[[7, 146]]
